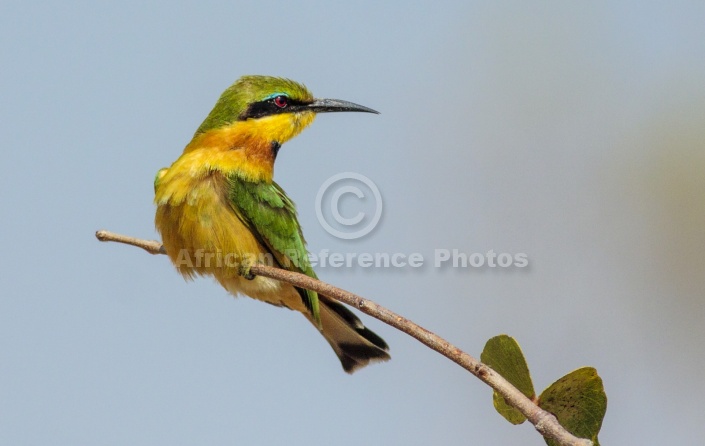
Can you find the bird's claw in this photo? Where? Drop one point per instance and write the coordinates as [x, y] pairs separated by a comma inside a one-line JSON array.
[[244, 271]]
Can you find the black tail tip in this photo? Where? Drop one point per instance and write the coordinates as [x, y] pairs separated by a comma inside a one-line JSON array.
[[356, 356]]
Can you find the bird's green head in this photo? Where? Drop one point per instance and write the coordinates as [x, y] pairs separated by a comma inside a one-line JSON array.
[[271, 108]]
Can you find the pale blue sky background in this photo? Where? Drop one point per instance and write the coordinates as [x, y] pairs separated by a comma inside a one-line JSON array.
[[574, 133]]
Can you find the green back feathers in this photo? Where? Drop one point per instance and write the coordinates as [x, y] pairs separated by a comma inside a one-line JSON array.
[[271, 216], [247, 90]]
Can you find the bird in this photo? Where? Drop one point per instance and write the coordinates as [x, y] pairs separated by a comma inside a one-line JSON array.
[[219, 211]]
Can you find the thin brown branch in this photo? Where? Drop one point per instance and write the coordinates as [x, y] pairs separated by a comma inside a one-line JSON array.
[[543, 421], [151, 246]]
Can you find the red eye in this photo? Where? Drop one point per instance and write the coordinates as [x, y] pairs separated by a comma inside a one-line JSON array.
[[281, 101]]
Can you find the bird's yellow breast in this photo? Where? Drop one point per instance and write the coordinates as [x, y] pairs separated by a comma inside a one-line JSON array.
[[200, 231], [203, 235]]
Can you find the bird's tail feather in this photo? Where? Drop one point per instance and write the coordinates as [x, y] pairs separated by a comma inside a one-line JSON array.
[[355, 345]]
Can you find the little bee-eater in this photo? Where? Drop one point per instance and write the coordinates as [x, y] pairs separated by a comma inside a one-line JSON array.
[[219, 211]]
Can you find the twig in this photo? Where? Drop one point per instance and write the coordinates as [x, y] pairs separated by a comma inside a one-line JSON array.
[[151, 246], [543, 421]]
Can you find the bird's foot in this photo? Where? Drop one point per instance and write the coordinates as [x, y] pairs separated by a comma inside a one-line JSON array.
[[244, 271]]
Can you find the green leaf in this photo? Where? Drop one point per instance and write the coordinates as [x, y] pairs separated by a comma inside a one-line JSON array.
[[504, 355], [579, 402]]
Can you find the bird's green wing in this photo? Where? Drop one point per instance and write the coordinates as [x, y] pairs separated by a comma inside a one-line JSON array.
[[271, 216]]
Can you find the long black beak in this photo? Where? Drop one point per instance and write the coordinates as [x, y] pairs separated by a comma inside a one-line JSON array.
[[336, 105]]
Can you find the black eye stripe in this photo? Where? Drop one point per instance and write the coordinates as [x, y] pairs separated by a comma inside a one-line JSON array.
[[270, 107]]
